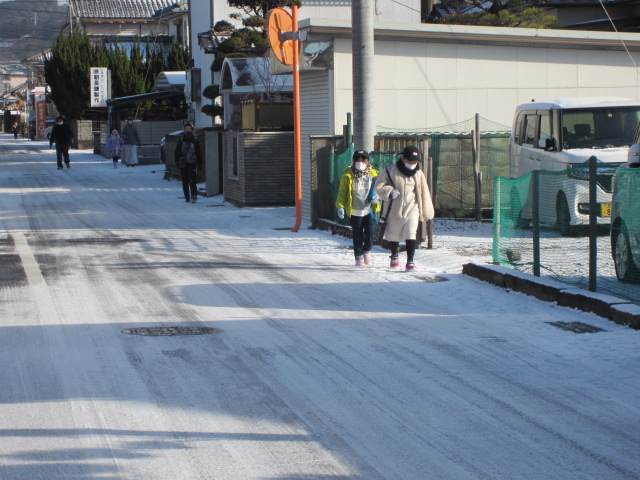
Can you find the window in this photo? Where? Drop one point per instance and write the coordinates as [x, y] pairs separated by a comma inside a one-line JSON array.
[[545, 129], [530, 126]]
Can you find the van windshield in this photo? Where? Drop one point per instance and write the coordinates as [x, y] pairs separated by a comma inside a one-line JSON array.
[[599, 127]]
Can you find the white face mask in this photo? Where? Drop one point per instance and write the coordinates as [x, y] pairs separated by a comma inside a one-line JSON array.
[[360, 166], [410, 166], [60, 123]]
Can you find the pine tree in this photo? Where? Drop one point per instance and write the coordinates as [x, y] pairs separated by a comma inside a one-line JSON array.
[[67, 72]]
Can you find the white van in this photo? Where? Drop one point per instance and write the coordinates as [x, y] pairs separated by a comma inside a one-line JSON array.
[[561, 135]]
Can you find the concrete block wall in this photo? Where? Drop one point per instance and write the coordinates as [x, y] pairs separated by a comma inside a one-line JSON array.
[[265, 173]]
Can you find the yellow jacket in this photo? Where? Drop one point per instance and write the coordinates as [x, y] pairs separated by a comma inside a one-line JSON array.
[[345, 195]]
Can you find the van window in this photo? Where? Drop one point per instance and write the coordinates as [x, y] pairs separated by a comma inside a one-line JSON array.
[[599, 127], [530, 126], [545, 128], [518, 128]]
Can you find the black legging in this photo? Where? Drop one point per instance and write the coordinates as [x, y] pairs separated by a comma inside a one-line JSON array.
[[411, 249]]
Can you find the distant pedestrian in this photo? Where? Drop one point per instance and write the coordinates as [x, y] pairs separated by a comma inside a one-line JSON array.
[[188, 160], [16, 130], [357, 199], [114, 146], [61, 135], [404, 190], [131, 143]]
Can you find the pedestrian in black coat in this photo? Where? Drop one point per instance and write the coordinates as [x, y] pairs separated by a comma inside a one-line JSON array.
[[61, 135], [188, 161]]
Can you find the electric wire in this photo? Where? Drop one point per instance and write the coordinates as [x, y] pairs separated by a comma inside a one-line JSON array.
[[619, 36]]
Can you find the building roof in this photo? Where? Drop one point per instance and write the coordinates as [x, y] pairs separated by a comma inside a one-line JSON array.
[[180, 7], [171, 80], [251, 75], [117, 8]]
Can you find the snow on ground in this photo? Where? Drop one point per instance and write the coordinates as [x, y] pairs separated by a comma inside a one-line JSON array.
[[320, 370]]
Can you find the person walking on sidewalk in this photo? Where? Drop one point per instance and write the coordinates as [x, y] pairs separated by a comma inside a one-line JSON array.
[[357, 199], [114, 146], [61, 135], [131, 143], [188, 161], [404, 190]]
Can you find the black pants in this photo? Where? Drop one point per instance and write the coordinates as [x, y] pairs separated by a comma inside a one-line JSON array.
[[364, 230], [189, 187], [62, 151]]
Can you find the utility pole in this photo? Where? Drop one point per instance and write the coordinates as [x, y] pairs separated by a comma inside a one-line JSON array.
[[363, 77]]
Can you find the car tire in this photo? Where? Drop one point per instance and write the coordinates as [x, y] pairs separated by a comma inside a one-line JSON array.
[[626, 270], [563, 217]]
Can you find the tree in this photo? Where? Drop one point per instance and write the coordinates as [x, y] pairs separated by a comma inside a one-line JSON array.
[[501, 13], [67, 72], [133, 71], [249, 41]]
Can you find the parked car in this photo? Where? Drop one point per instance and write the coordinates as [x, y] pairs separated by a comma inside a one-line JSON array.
[[560, 136], [625, 217]]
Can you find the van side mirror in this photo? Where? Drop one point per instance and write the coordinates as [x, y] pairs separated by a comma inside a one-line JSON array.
[[548, 144]]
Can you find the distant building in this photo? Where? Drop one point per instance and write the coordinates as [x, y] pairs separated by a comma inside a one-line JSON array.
[[122, 21]]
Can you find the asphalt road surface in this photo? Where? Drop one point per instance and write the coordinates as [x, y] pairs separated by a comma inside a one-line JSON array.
[[303, 367]]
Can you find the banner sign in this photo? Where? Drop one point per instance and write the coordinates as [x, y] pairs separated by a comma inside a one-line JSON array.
[[100, 86], [41, 111]]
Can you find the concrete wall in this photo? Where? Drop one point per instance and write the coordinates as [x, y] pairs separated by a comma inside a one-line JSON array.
[[423, 83]]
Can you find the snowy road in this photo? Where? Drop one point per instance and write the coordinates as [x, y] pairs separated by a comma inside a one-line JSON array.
[[318, 370]]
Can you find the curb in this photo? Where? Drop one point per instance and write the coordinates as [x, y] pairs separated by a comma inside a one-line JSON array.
[[622, 312]]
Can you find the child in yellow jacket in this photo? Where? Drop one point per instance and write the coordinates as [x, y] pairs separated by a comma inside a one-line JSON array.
[[357, 199]]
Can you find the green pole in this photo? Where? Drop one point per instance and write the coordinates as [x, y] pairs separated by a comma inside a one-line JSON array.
[[593, 223], [535, 214]]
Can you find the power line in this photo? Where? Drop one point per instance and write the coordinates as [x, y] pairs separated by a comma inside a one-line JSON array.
[[619, 36]]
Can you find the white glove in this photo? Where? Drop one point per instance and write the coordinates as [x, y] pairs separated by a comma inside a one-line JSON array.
[[341, 213], [375, 199], [394, 193]]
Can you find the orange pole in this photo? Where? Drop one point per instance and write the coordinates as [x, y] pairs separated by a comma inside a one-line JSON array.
[[296, 121]]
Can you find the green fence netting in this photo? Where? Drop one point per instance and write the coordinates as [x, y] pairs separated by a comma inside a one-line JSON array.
[[451, 148], [541, 226], [339, 162]]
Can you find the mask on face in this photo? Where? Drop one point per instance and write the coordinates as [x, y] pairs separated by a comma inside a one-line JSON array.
[[410, 166], [129, 122], [360, 166], [60, 123], [188, 135]]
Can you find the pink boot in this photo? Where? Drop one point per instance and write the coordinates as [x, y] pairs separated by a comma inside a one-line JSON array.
[[368, 258]]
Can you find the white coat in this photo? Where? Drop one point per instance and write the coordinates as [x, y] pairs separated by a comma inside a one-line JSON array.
[[407, 209]]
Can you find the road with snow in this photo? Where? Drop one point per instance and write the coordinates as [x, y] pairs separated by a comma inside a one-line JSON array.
[[311, 368]]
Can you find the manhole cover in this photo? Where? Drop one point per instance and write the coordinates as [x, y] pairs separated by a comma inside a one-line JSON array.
[[576, 327], [169, 331]]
